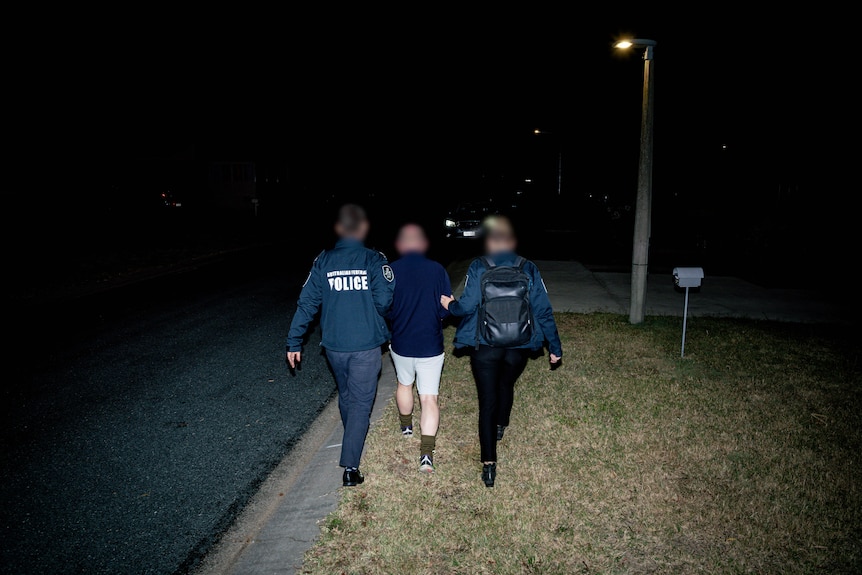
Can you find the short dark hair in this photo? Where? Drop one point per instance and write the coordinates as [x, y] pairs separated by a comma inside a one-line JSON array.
[[351, 217]]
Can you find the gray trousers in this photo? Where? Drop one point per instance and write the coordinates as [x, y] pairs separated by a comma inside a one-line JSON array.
[[356, 373]]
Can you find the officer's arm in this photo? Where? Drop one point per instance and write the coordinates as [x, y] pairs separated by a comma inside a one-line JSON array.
[[543, 313], [310, 299], [382, 284], [469, 300]]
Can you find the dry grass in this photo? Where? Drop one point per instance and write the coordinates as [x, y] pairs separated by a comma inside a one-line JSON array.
[[743, 457]]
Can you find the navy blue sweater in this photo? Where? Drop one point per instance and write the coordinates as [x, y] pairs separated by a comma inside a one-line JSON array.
[[351, 286], [416, 315]]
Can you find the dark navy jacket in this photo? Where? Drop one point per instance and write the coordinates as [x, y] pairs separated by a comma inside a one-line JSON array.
[[467, 307], [351, 286], [416, 315]]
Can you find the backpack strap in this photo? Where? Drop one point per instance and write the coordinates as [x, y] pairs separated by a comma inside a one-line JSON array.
[[521, 262]]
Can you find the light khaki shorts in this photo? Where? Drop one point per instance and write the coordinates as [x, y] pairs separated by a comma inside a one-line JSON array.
[[425, 371]]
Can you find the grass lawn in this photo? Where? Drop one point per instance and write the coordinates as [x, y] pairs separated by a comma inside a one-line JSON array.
[[743, 457]]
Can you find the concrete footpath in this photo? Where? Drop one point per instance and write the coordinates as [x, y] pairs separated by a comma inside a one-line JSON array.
[[282, 522], [574, 288]]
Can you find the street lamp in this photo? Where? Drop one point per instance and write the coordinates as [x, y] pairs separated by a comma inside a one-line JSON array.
[[559, 160], [643, 206]]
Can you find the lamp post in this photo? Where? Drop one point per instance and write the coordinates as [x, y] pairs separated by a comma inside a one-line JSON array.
[[559, 161], [643, 205]]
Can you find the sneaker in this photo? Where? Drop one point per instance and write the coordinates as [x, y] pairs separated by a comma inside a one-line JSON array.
[[426, 464], [407, 431], [489, 473], [501, 429], [352, 476]]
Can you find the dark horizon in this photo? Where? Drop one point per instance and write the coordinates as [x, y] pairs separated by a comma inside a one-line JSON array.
[[746, 132]]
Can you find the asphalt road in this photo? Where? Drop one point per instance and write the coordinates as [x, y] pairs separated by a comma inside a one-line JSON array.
[[139, 422]]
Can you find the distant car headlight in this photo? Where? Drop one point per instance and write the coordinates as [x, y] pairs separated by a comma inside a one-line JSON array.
[[450, 224]]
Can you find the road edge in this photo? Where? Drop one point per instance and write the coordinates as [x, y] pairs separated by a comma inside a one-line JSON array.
[[242, 544], [224, 554]]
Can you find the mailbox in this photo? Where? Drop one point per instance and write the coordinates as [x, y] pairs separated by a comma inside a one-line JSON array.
[[687, 277]]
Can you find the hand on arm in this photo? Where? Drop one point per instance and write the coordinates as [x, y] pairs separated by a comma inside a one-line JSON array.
[[445, 287], [445, 300]]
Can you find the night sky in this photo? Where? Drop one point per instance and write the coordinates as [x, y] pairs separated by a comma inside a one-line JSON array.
[[749, 110]]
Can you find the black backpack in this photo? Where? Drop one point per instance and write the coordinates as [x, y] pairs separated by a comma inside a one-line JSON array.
[[505, 316]]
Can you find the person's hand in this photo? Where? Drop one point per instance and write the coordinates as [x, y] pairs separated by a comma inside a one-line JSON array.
[[293, 358], [556, 361], [555, 358], [445, 300]]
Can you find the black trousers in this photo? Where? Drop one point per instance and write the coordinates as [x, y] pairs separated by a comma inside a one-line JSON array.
[[495, 371]]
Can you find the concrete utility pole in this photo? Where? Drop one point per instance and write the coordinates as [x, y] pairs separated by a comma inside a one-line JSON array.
[[643, 206], [560, 173], [559, 158]]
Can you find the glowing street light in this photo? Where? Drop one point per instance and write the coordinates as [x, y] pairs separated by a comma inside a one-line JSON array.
[[643, 206]]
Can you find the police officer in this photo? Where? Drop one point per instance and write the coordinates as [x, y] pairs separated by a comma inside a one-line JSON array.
[[497, 369], [351, 286]]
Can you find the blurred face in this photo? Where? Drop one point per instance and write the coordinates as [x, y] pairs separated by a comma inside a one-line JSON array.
[[495, 245], [411, 238], [499, 235]]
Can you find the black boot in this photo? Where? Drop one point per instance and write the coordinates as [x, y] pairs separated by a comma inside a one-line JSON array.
[[352, 476], [489, 473]]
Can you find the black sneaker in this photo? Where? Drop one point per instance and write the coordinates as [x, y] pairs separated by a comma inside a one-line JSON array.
[[407, 431], [426, 464], [489, 473], [352, 476], [501, 429]]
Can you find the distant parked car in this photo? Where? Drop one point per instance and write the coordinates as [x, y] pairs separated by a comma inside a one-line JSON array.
[[170, 199], [465, 221]]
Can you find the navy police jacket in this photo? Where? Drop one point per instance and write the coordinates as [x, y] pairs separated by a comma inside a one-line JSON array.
[[467, 307], [351, 286]]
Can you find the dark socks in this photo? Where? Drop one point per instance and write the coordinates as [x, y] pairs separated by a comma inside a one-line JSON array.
[[406, 420], [426, 445]]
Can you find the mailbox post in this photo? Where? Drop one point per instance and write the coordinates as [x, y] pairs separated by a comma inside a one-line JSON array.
[[686, 278]]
